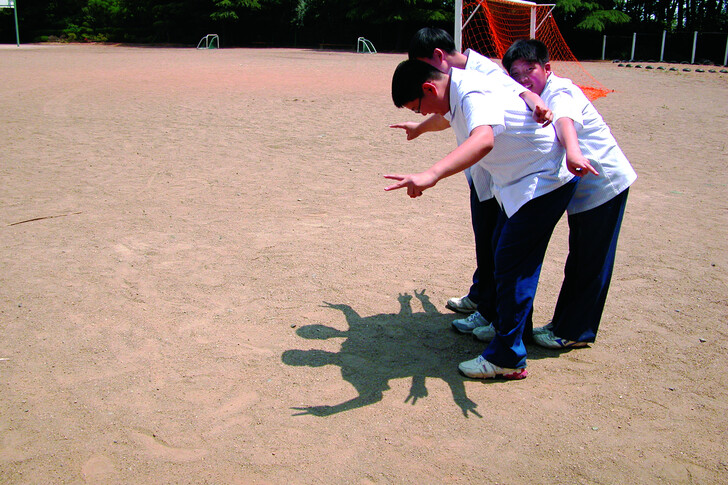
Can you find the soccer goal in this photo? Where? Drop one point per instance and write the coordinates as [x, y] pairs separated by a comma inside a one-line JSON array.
[[491, 26], [210, 41], [11, 4], [365, 46]]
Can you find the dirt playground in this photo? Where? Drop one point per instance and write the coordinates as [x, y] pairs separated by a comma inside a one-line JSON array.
[[202, 280]]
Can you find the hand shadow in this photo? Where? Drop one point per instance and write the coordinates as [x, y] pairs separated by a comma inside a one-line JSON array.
[[390, 346]]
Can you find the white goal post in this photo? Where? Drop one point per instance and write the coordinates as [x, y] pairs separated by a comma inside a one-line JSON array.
[[11, 4]]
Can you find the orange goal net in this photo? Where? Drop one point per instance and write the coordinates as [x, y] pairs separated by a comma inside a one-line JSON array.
[[491, 26]]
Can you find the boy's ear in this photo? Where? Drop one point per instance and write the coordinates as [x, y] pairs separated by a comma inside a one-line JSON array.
[[429, 87], [438, 55], [547, 68]]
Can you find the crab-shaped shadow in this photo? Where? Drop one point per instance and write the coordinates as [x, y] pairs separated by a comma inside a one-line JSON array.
[[390, 346]]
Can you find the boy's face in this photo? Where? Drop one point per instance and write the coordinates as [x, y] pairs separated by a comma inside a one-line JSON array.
[[531, 75]]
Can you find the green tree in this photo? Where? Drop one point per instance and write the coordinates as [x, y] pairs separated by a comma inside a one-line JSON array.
[[228, 10], [677, 15], [594, 15], [388, 11]]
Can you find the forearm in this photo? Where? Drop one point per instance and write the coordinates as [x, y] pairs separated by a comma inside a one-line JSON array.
[[576, 163], [478, 145], [533, 100], [541, 113], [434, 123], [566, 133]]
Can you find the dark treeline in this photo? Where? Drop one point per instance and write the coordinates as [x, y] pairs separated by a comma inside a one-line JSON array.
[[333, 23], [678, 15], [302, 23]]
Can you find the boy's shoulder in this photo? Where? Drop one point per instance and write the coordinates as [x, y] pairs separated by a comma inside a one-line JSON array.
[[558, 82], [469, 80], [477, 61], [465, 80], [556, 85]]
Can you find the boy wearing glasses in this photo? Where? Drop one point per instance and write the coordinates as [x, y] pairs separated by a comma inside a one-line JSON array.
[[495, 130], [437, 48]]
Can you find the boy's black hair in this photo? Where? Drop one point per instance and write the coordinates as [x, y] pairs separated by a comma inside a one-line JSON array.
[[529, 50], [427, 39], [408, 79]]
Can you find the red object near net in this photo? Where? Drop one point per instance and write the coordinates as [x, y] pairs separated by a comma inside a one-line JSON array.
[[491, 26]]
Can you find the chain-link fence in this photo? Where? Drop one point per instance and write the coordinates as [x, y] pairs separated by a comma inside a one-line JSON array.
[[691, 47]]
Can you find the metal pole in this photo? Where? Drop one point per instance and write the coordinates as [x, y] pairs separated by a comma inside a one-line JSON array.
[[725, 57], [695, 44], [459, 25], [634, 42], [532, 29], [662, 49], [604, 46], [17, 33]]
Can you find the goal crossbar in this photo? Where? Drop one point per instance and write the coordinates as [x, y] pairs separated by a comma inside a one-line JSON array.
[[460, 25]]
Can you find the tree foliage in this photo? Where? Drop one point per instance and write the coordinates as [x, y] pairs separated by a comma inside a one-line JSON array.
[[679, 15], [594, 15], [227, 10], [389, 23]]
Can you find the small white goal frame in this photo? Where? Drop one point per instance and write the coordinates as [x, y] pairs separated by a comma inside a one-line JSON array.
[[365, 46], [211, 41], [12, 4]]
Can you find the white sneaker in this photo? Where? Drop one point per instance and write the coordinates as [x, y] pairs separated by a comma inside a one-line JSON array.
[[546, 328], [467, 325], [461, 305], [485, 333], [547, 339], [479, 368]]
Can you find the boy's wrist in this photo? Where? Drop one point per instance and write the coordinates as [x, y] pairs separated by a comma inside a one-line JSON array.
[[572, 153], [434, 174]]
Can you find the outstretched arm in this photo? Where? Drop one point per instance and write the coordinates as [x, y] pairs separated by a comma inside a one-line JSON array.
[[541, 113], [414, 129], [478, 145], [351, 315], [576, 162], [325, 410], [457, 387]]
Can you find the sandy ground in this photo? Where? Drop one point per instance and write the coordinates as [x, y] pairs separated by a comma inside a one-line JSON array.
[[202, 281]]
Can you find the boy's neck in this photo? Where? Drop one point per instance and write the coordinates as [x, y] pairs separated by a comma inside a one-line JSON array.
[[447, 92], [457, 59]]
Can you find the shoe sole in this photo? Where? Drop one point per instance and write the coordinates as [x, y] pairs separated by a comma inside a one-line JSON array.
[[465, 332], [516, 376], [455, 309], [575, 345]]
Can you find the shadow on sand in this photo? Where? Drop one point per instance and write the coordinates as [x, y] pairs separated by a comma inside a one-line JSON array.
[[390, 346]]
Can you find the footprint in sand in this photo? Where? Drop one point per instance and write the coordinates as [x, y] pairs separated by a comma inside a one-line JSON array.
[[157, 448], [97, 469]]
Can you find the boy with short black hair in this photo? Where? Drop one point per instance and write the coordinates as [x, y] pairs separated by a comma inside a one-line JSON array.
[[597, 208], [495, 130], [437, 48]]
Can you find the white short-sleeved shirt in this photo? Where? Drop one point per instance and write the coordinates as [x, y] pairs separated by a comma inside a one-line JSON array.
[[497, 76], [597, 144], [526, 160], [480, 63]]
